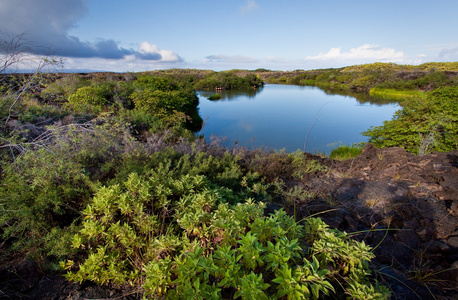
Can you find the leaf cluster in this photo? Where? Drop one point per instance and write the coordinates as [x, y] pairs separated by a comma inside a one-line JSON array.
[[179, 237]]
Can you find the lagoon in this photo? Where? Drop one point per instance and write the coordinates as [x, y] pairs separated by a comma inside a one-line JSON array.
[[291, 117]]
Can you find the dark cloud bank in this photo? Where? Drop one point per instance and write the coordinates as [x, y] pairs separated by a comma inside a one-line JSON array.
[[47, 22]]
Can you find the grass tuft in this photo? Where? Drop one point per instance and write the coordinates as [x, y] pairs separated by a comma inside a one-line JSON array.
[[346, 152]]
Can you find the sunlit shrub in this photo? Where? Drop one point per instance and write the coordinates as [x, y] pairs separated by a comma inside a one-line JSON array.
[[88, 97], [435, 113], [179, 238]]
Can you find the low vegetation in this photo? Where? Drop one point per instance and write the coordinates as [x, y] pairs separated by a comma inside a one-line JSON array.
[[424, 124], [215, 96], [381, 76], [229, 80], [103, 177], [346, 152]]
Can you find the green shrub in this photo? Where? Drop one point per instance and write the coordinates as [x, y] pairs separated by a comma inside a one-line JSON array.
[[64, 87], [43, 192], [432, 120], [282, 165], [173, 107], [141, 121], [179, 238], [228, 80], [88, 97], [215, 96]]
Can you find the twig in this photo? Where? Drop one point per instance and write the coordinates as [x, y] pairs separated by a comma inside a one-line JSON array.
[[318, 116]]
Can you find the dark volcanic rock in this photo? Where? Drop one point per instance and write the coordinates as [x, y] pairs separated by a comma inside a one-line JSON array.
[[415, 198]]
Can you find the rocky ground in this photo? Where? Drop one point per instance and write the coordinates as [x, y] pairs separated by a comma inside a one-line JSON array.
[[405, 206]]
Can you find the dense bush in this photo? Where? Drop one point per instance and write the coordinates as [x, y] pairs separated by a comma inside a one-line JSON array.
[[50, 182], [228, 81], [88, 97], [423, 124], [171, 100], [162, 103], [178, 237], [61, 88]]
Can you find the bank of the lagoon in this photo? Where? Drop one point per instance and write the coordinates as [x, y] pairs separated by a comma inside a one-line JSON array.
[[290, 117]]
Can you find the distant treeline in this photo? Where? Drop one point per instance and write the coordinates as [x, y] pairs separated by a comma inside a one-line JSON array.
[[425, 77]]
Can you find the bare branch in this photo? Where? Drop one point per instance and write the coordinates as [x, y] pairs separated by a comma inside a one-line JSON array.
[[15, 53]]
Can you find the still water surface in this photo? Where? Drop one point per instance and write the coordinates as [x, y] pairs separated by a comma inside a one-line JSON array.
[[290, 117]]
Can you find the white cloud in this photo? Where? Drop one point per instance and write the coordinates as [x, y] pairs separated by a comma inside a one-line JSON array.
[[249, 6], [128, 64], [152, 52], [364, 53]]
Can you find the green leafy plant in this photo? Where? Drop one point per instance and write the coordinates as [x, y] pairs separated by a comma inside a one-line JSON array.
[[176, 236]]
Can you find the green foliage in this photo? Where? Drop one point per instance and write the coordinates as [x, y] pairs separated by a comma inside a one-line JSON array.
[[161, 103], [44, 190], [280, 164], [61, 88], [88, 98], [172, 101], [430, 122], [382, 79], [177, 236], [346, 152], [215, 96], [141, 121], [228, 80]]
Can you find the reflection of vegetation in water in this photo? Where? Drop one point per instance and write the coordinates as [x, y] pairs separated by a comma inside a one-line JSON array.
[[361, 97], [232, 94]]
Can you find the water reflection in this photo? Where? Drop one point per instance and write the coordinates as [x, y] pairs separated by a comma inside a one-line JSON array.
[[361, 97], [289, 117], [232, 95]]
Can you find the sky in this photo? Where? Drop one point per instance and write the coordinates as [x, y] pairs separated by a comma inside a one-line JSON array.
[[141, 35]]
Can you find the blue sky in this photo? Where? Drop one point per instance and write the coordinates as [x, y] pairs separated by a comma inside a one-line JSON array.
[[138, 35]]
